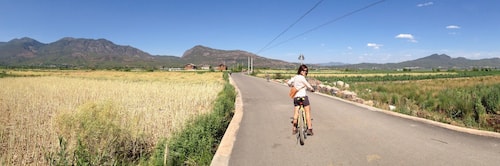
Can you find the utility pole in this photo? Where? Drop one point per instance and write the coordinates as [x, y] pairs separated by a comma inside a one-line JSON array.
[[251, 64], [301, 58], [248, 70]]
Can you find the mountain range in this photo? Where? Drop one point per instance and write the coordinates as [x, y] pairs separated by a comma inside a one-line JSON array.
[[434, 61], [101, 53]]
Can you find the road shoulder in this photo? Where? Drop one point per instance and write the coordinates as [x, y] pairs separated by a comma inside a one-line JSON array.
[[221, 157]]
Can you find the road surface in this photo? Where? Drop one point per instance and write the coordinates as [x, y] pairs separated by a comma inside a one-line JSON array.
[[345, 134]]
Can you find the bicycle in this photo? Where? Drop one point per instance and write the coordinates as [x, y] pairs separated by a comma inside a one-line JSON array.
[[301, 122]]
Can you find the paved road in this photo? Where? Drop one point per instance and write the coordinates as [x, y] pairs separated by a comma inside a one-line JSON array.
[[345, 134]]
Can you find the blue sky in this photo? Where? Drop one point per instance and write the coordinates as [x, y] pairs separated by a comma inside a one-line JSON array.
[[390, 31]]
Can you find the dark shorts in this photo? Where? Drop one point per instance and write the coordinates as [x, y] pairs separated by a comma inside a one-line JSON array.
[[296, 101]]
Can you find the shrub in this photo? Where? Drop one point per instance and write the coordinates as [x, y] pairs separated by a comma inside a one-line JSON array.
[[491, 100], [480, 113], [3, 74], [470, 105], [278, 76], [395, 99]]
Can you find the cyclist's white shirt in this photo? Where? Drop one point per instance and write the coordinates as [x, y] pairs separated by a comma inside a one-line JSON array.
[[299, 82]]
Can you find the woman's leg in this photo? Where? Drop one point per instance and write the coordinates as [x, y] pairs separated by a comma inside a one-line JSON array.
[[295, 117], [308, 116], [295, 114]]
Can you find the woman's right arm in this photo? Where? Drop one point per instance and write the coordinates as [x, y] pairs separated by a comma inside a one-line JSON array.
[[307, 85]]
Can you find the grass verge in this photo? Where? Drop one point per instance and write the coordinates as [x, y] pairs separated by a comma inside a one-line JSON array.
[[197, 143]]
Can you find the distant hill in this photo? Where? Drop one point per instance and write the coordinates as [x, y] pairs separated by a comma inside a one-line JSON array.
[[332, 64], [204, 55], [77, 53], [433, 61], [101, 53]]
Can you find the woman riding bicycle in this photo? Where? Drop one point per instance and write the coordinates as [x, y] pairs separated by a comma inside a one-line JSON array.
[[300, 83]]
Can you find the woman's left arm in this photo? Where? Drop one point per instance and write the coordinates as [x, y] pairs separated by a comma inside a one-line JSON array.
[[290, 81]]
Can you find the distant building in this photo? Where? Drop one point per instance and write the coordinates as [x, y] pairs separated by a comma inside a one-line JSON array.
[[221, 67], [205, 67], [174, 69], [189, 66]]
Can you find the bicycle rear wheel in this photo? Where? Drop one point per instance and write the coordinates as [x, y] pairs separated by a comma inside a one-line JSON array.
[[301, 127]]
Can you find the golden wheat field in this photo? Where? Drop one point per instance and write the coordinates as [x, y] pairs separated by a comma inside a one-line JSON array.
[[44, 105]]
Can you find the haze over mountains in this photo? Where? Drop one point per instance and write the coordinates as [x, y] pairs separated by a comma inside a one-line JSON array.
[[102, 53]]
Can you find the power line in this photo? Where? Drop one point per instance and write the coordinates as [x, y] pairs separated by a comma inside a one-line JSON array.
[[290, 26], [329, 22]]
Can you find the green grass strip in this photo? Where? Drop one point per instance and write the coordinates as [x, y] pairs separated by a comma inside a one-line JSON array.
[[198, 142]]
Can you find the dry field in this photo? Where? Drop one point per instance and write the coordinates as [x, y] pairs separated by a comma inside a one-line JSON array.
[[38, 109]]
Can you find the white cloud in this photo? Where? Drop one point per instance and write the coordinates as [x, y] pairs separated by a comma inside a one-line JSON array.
[[349, 48], [452, 27], [374, 45], [407, 36], [425, 4]]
